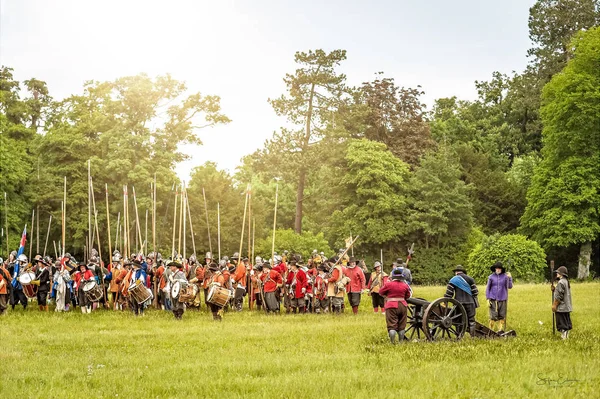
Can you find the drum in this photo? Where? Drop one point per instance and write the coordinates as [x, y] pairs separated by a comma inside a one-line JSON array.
[[218, 295], [93, 292], [140, 293], [175, 289], [29, 289], [188, 294]]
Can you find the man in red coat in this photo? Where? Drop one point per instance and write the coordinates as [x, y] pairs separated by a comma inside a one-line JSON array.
[[271, 280], [297, 283], [356, 285], [396, 293]]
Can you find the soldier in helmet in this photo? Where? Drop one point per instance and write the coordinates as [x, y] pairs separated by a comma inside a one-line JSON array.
[[17, 291], [376, 281]]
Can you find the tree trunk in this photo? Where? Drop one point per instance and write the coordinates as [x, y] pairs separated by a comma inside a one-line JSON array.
[[302, 172], [585, 253]]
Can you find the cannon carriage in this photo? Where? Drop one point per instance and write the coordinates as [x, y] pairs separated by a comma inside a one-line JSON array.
[[444, 318]]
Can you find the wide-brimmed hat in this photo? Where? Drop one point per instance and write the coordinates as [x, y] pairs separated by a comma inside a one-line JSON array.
[[498, 265], [562, 271], [397, 274], [42, 261], [175, 263], [136, 263], [213, 267], [459, 268]]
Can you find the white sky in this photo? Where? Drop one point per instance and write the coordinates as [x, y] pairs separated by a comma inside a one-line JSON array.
[[241, 50]]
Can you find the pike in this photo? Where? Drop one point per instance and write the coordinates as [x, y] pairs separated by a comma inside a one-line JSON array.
[[90, 233], [145, 249], [6, 222], [31, 234], [47, 234], [101, 273], [207, 224], [219, 228], [108, 224], [187, 200], [250, 260], [117, 237], [153, 192], [274, 224], [184, 218], [251, 301], [64, 222], [137, 221], [180, 220], [55, 251], [174, 224], [243, 226]]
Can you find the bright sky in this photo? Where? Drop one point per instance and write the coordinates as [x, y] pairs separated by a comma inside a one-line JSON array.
[[241, 50]]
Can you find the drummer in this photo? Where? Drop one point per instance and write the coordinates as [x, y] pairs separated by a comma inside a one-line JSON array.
[[138, 278], [43, 282], [80, 278], [216, 279], [177, 276]]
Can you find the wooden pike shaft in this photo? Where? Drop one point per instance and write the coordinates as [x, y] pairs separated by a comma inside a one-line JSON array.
[[207, 224], [137, 222], [253, 235], [180, 219], [108, 224], [174, 224], [47, 235], [219, 228], [184, 217], [191, 225], [31, 235], [250, 261], [64, 216], [90, 233], [274, 223], [6, 222], [96, 221], [146, 234], [37, 225], [117, 236], [124, 221], [243, 225], [55, 251], [154, 218]]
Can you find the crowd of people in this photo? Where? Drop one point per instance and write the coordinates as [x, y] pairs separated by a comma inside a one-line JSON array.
[[319, 285]]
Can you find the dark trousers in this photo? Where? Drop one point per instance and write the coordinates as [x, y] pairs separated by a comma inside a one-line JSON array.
[[563, 321], [238, 299], [378, 300], [16, 297], [354, 298], [395, 318], [470, 310], [42, 296], [137, 308], [271, 302], [4, 299]]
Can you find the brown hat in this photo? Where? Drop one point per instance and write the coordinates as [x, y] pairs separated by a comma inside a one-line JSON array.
[[562, 271]]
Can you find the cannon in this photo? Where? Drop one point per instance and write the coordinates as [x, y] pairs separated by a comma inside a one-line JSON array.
[[444, 318]]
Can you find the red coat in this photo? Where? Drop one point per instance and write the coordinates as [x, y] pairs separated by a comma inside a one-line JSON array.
[[270, 283], [357, 279], [301, 282], [281, 268], [395, 291], [320, 288], [77, 277]]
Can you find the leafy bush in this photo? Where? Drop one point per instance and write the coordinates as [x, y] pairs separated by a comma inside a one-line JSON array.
[[524, 258], [303, 243]]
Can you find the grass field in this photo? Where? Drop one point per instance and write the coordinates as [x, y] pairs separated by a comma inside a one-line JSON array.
[[114, 355]]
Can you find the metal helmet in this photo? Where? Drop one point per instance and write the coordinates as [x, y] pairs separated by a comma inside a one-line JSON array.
[[314, 251], [225, 258], [22, 258], [286, 252], [47, 258], [1, 260], [235, 256], [278, 259], [93, 259], [94, 253], [322, 253], [208, 256], [377, 264], [192, 258], [222, 263], [258, 260]]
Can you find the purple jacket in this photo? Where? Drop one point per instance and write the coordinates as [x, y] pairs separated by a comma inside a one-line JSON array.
[[497, 287]]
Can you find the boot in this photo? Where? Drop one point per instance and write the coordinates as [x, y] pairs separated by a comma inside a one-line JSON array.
[[392, 334], [492, 325], [89, 309], [295, 310], [83, 310], [303, 309], [46, 308], [401, 336], [375, 310], [355, 309], [383, 311], [501, 325], [41, 308]]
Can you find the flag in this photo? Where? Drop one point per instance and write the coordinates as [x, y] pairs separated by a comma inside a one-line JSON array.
[[23, 241]]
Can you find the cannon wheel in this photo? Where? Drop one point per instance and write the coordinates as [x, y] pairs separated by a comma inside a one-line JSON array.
[[444, 318], [414, 322]]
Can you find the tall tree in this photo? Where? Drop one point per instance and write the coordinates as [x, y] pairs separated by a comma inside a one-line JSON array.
[[564, 198], [396, 117], [314, 92]]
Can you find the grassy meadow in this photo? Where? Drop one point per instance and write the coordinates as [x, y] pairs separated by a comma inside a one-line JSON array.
[[115, 355]]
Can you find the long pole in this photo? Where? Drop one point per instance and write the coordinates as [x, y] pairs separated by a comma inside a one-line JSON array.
[[219, 228], [146, 234], [100, 273], [108, 224], [55, 250], [187, 200], [253, 235], [352, 250], [31, 242], [117, 236], [48, 234], [90, 243], [137, 221], [154, 218], [552, 292], [274, 223], [6, 222], [124, 215], [184, 214], [64, 221], [174, 224], [37, 210], [207, 224], [180, 219], [243, 226], [250, 261]]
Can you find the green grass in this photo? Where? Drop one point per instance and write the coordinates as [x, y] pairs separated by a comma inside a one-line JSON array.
[[114, 355]]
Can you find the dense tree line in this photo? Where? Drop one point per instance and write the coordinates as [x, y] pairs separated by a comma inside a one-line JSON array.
[[368, 160]]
